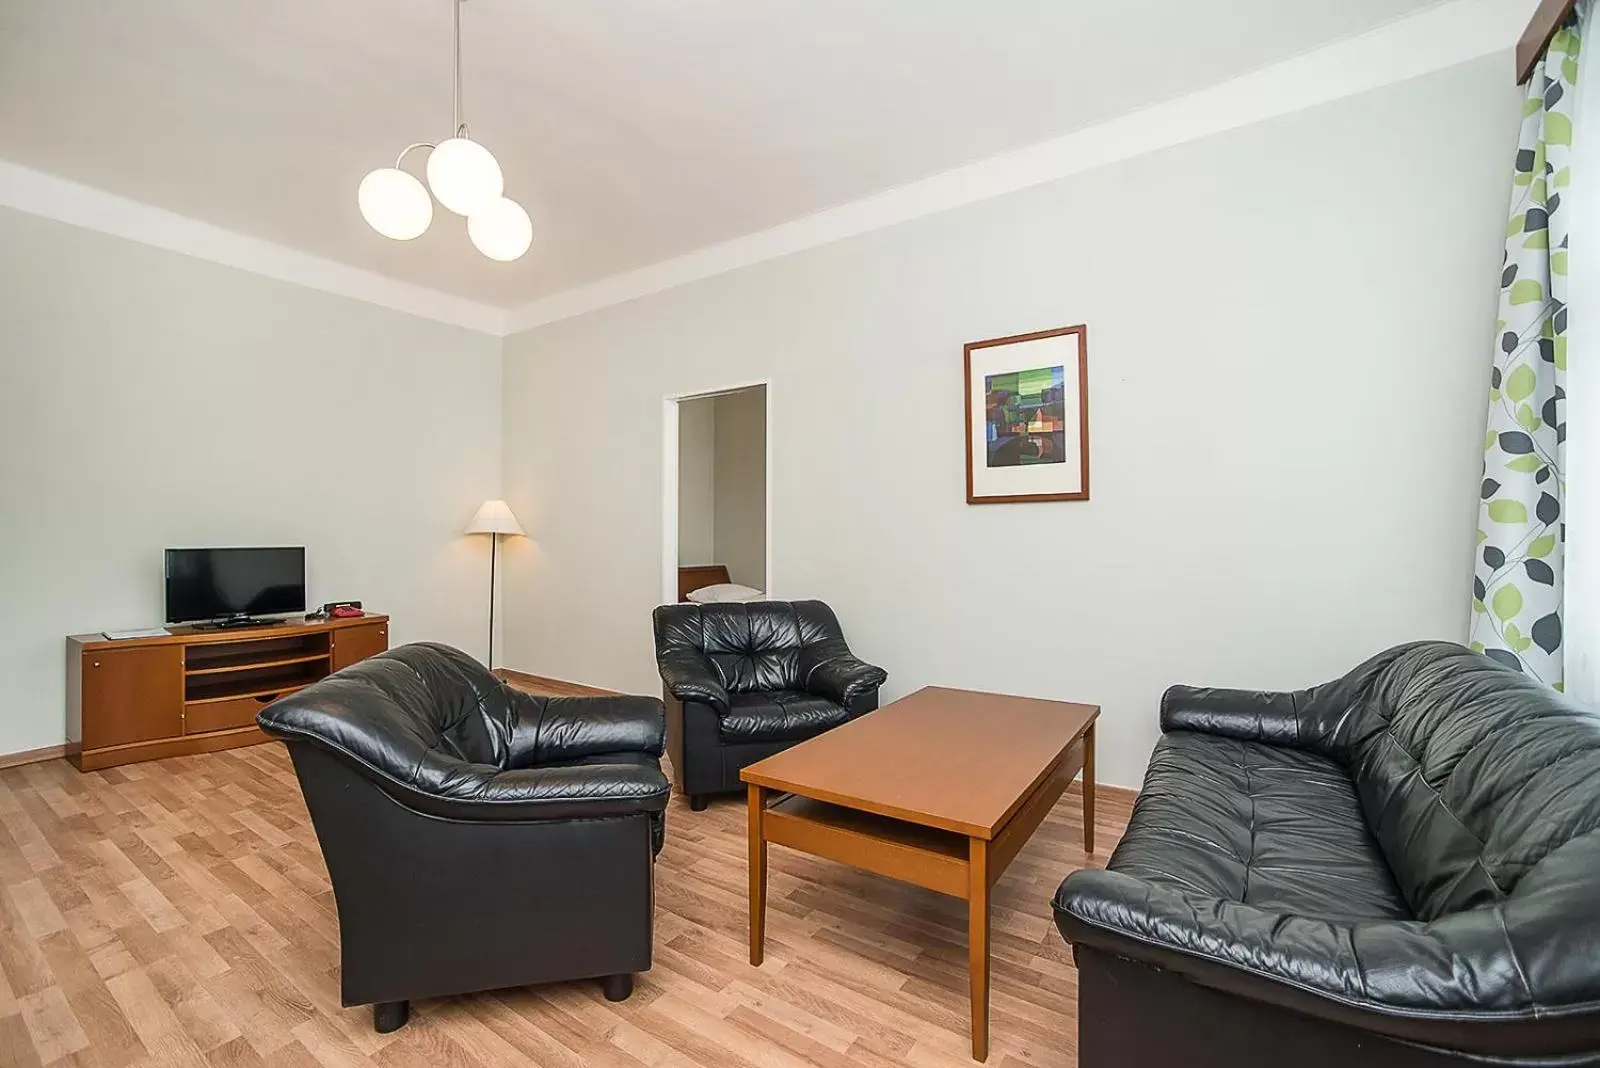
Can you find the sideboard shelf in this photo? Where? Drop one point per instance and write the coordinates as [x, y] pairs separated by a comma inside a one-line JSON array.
[[223, 691], [195, 691], [246, 664]]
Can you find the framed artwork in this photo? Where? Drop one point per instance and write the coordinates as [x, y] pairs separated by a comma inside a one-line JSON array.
[[1028, 417]]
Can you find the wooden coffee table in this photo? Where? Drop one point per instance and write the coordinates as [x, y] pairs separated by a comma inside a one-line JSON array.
[[940, 789]]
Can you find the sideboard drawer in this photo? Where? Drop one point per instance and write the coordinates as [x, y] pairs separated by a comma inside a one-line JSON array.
[[226, 715]]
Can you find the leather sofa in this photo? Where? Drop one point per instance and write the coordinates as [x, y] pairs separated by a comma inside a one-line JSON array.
[[744, 681], [477, 837], [1397, 868]]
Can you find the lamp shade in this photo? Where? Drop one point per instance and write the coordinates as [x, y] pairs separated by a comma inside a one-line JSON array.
[[502, 231], [394, 203], [494, 517], [464, 175]]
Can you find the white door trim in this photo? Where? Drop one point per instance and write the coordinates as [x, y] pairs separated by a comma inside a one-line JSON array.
[[669, 481]]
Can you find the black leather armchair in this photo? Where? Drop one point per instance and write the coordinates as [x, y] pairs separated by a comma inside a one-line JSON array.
[[746, 680], [477, 837], [1397, 868]]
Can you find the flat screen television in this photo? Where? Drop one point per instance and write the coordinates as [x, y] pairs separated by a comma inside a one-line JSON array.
[[234, 586]]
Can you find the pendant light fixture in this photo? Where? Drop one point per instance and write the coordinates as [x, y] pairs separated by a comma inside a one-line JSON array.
[[464, 177]]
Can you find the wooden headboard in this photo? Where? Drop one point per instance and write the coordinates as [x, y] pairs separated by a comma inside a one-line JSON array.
[[692, 578]]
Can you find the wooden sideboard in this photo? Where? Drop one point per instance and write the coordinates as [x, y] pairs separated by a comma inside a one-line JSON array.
[[195, 691]]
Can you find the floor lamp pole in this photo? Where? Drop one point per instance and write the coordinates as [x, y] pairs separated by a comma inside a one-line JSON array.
[[494, 553]]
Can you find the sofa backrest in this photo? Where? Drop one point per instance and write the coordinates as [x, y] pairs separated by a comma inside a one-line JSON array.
[[403, 709], [1476, 780], [752, 645]]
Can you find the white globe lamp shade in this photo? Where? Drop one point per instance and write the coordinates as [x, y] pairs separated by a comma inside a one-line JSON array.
[[394, 203], [464, 175], [502, 231]]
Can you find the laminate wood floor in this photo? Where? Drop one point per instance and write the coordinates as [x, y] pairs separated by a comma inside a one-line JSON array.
[[177, 913]]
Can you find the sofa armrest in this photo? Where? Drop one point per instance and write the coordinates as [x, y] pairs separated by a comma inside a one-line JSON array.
[[570, 728], [1449, 983], [580, 791], [830, 670], [688, 678], [1248, 715], [441, 785]]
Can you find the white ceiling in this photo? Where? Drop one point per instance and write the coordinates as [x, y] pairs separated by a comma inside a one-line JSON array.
[[632, 130]]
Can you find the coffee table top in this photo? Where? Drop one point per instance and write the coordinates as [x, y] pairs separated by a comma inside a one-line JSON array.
[[958, 760]]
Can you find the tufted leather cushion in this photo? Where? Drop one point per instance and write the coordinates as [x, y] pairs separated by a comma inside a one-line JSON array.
[[751, 646], [1471, 775], [1478, 790], [756, 647], [1279, 829], [439, 732], [778, 716]]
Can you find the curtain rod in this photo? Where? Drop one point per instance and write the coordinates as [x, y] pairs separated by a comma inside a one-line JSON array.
[[1547, 19]]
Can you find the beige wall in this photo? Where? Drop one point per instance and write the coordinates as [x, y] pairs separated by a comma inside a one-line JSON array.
[[1287, 383], [697, 481], [148, 400], [741, 477]]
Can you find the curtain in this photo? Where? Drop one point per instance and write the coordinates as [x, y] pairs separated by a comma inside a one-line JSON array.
[[1580, 613], [1517, 585]]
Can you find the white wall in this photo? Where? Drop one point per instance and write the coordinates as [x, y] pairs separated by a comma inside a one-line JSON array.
[[697, 482], [1287, 331], [149, 400], [741, 477]]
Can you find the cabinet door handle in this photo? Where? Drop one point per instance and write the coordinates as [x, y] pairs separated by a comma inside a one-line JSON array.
[[97, 663]]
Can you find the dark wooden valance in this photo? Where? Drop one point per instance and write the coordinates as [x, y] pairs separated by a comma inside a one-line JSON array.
[[1536, 38]]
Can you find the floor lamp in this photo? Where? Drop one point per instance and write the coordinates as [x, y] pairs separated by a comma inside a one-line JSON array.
[[493, 519]]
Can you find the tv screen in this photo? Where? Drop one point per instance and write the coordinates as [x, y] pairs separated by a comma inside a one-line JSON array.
[[218, 583]]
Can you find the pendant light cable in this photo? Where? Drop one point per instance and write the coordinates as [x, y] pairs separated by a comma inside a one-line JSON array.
[[460, 127]]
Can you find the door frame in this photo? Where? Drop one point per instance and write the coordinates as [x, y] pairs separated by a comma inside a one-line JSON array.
[[669, 480]]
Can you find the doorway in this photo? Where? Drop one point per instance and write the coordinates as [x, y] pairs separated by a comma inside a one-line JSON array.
[[717, 501]]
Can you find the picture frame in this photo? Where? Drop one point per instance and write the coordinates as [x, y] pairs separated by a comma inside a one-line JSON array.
[[1027, 417]]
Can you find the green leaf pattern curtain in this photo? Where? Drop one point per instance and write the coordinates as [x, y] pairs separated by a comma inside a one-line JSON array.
[[1517, 579]]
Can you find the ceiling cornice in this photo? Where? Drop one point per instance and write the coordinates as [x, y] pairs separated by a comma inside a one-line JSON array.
[[94, 209], [1433, 39]]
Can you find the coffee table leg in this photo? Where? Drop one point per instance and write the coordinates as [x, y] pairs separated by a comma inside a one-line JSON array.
[[1088, 790], [758, 873], [978, 943]]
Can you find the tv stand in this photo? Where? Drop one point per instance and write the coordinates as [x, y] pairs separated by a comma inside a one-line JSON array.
[[198, 689]]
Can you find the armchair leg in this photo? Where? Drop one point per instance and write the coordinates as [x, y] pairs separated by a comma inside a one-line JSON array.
[[698, 802], [390, 1016], [617, 987]]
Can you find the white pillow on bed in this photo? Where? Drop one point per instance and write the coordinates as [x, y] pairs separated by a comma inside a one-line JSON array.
[[723, 592]]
